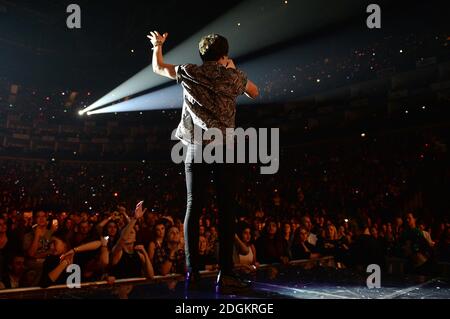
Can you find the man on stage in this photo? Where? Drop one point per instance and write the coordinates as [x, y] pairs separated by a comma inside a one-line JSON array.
[[209, 102]]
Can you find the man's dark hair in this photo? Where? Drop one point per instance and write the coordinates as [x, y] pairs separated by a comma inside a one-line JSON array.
[[212, 47]]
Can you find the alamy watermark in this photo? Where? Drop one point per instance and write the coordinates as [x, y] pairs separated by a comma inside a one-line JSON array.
[[374, 279], [74, 19], [74, 279], [374, 19], [235, 151]]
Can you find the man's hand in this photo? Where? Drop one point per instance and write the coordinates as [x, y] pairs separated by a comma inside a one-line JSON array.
[[156, 38], [158, 65]]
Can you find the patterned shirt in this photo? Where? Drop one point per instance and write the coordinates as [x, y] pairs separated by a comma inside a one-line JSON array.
[[209, 98], [162, 254]]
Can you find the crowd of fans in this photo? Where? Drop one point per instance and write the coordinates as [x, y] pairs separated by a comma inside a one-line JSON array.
[[340, 64], [115, 245], [362, 202]]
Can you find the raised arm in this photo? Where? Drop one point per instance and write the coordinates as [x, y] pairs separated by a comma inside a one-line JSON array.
[[145, 260], [51, 275], [58, 270], [93, 245], [159, 67], [117, 250], [242, 248], [104, 252], [102, 224]]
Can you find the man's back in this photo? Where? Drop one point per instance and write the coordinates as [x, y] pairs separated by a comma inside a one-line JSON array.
[[209, 97], [209, 102]]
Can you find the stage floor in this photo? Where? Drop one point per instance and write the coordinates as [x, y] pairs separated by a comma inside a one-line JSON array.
[[323, 283], [271, 283]]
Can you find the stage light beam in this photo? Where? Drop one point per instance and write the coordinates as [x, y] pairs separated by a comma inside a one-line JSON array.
[[259, 16]]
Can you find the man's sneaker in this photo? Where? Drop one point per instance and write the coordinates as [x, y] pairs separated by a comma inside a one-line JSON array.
[[231, 284]]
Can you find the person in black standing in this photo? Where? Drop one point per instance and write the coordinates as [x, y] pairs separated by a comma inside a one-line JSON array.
[[365, 250], [210, 91]]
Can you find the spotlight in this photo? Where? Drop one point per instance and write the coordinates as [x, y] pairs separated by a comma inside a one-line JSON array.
[[259, 31]]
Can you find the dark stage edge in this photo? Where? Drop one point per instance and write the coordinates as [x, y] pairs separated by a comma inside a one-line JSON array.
[[323, 283]]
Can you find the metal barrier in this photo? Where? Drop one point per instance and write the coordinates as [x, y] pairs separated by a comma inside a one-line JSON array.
[[122, 284]]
